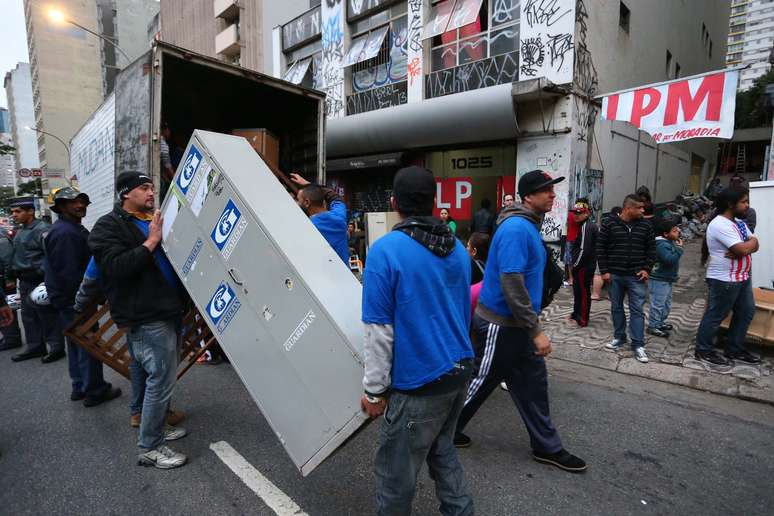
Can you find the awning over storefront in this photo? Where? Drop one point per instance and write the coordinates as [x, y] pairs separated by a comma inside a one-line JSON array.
[[475, 116]]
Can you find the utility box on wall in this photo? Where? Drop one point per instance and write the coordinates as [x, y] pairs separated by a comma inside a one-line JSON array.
[[282, 304]]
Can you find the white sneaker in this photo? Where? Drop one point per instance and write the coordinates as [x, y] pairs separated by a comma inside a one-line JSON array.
[[504, 386], [615, 345], [640, 355], [162, 457], [173, 433]]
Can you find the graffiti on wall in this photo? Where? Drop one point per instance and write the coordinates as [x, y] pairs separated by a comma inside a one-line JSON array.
[[358, 8], [472, 76], [303, 28], [547, 36], [552, 155], [332, 55], [415, 25], [377, 98], [585, 77], [589, 183]]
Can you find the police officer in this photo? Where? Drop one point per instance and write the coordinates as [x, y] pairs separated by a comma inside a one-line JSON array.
[[41, 322], [67, 255]]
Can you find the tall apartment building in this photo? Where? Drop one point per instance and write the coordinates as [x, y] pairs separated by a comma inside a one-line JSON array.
[[235, 31], [72, 70], [482, 91], [18, 90], [751, 39]]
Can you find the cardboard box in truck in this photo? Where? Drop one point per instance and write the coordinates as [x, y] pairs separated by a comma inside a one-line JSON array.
[[189, 91]]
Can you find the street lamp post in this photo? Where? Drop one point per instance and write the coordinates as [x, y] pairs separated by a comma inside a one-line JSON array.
[[59, 17], [57, 138]]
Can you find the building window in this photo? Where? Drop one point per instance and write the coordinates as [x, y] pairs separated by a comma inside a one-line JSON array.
[[677, 70], [624, 17], [389, 64], [668, 63], [494, 31]]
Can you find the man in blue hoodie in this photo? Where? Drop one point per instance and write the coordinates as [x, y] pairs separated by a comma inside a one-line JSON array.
[[418, 357], [669, 250], [330, 221]]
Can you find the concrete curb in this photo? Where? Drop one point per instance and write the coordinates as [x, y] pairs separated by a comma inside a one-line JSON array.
[[760, 389]]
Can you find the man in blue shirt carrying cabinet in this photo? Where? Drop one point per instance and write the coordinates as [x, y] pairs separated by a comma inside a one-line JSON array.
[[331, 222], [418, 356], [507, 338]]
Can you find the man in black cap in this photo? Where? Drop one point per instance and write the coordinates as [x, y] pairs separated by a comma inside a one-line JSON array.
[[507, 338], [146, 301], [41, 322], [67, 255], [418, 358]]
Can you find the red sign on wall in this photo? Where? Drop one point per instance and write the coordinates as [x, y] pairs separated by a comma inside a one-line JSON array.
[[454, 194]]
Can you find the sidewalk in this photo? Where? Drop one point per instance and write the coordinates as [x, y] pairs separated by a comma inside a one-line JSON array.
[[671, 360]]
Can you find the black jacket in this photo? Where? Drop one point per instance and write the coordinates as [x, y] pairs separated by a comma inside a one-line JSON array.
[[134, 285], [483, 221], [67, 255], [584, 248], [626, 249]]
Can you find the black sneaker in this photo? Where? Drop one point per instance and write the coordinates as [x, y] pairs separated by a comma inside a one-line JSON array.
[[658, 332], [27, 355], [667, 327], [712, 357], [77, 395], [562, 460], [461, 440], [108, 394], [53, 357], [743, 356]]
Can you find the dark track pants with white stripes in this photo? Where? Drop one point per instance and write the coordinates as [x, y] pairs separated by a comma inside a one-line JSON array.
[[508, 354]]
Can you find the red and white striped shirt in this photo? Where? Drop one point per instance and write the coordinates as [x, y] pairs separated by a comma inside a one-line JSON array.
[[722, 234]]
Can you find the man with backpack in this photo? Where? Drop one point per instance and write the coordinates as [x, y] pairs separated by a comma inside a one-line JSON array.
[[508, 342]]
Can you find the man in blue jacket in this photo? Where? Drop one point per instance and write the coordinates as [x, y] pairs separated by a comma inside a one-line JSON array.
[[330, 221], [418, 356], [67, 255]]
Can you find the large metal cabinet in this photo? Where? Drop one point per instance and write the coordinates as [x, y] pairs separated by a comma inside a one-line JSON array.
[[284, 307]]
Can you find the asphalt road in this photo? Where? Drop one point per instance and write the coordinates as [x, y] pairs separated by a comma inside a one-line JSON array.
[[653, 448]]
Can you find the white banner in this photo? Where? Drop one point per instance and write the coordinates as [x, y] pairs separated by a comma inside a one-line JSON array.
[[695, 107]]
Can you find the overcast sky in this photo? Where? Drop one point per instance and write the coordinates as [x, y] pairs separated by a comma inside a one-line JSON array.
[[13, 42]]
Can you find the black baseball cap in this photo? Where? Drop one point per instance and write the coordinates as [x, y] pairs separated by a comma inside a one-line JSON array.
[[535, 180]]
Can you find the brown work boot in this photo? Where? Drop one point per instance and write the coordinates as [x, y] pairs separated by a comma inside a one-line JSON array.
[[134, 421], [175, 417]]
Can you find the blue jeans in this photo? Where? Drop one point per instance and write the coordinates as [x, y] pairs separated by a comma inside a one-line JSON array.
[[416, 429], [85, 370], [620, 286], [137, 376], [154, 347], [660, 303], [725, 296]]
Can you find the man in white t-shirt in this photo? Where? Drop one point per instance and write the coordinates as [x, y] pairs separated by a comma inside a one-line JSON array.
[[730, 244]]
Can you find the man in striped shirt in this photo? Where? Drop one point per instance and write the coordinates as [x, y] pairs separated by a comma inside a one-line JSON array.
[[626, 253], [729, 247]]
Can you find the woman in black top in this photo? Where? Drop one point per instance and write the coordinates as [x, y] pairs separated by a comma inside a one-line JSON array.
[[478, 249]]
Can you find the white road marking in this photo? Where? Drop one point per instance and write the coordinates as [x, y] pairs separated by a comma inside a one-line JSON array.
[[272, 496]]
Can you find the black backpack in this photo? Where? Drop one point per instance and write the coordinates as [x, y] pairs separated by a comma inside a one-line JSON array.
[[553, 277]]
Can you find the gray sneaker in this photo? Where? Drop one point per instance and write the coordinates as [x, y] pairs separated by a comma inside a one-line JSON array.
[[640, 355], [173, 433], [162, 457], [615, 345]]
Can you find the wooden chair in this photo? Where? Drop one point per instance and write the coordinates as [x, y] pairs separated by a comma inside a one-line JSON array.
[[95, 331]]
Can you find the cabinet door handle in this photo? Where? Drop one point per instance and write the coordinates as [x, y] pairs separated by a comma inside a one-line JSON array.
[[235, 276]]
